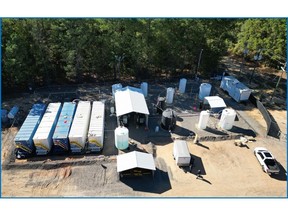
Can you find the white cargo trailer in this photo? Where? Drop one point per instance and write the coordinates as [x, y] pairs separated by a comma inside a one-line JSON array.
[[96, 127], [79, 129], [181, 153], [43, 136], [237, 90]]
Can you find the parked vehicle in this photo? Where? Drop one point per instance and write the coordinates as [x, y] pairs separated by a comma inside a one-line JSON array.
[[181, 153], [266, 160]]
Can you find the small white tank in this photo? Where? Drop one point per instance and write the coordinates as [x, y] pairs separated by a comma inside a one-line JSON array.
[[121, 138], [227, 119], [203, 120], [182, 85], [170, 95], [204, 90], [116, 87], [144, 87]]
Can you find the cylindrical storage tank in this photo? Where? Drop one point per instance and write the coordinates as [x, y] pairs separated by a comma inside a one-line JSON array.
[[170, 95], [13, 112], [182, 85], [144, 88], [121, 138], [168, 120], [204, 90], [112, 110], [160, 104], [227, 119], [116, 87], [203, 120]]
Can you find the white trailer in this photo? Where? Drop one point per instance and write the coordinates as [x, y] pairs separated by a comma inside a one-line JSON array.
[[237, 90], [78, 132], [43, 136], [96, 127], [181, 153]]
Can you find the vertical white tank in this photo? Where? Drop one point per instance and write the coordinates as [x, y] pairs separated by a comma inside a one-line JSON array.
[[170, 95], [144, 88], [227, 119], [182, 85], [203, 120], [121, 138], [204, 90], [116, 87]]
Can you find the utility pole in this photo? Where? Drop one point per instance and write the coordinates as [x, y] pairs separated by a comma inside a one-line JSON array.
[[283, 70], [245, 52], [198, 65], [257, 58]]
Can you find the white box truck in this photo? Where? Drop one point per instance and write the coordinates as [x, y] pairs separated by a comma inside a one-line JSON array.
[[181, 153]]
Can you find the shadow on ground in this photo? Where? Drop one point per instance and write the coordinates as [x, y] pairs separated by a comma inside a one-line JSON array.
[[158, 184], [282, 176], [245, 132]]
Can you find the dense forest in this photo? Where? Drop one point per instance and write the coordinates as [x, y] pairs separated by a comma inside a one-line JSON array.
[[37, 52]]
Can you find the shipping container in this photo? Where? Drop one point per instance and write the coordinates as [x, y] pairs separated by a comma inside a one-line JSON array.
[[24, 138], [96, 127], [79, 129], [181, 153], [43, 136], [60, 136], [237, 90]]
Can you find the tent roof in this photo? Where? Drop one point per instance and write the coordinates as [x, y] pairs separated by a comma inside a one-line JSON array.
[[130, 99], [135, 159], [214, 101]]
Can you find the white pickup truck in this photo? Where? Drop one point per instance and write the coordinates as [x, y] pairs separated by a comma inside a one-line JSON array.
[[266, 160]]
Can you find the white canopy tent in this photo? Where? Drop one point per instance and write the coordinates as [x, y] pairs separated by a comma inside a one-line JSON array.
[[135, 159], [130, 99], [216, 103]]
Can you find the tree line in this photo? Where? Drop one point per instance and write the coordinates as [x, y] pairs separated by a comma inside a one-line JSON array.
[[44, 51]]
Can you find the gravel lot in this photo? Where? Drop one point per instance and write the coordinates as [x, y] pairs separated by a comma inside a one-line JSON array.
[[228, 170]]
